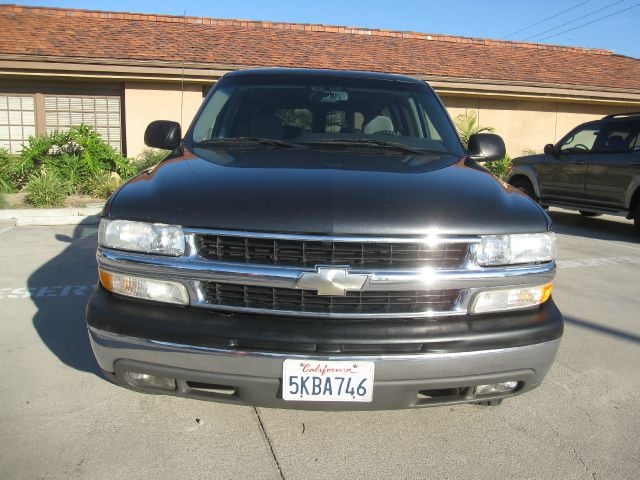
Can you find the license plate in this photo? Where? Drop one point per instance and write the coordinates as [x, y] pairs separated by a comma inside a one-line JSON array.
[[329, 381]]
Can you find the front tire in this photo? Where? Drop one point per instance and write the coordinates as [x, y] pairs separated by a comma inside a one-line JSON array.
[[636, 218], [524, 186]]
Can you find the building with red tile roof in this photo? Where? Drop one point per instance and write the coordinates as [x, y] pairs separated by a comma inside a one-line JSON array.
[[121, 70]]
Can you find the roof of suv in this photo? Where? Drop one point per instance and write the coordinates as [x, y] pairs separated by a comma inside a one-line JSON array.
[[622, 116], [325, 72]]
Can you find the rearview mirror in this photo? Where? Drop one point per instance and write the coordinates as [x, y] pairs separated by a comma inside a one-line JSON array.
[[549, 149], [486, 147], [163, 134]]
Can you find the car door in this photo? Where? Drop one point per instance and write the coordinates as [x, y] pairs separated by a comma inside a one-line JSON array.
[[613, 165], [562, 176]]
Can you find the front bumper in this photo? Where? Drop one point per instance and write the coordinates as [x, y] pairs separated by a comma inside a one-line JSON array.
[[518, 347], [255, 378]]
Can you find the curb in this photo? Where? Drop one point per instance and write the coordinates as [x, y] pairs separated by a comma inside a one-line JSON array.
[[52, 216]]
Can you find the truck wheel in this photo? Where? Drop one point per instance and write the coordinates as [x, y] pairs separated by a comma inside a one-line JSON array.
[[490, 403], [584, 213], [636, 218], [524, 186]]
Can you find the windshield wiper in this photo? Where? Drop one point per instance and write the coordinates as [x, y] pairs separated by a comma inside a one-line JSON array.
[[240, 140], [369, 141]]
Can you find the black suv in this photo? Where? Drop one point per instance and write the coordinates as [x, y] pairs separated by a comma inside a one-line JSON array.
[[321, 240], [594, 169]]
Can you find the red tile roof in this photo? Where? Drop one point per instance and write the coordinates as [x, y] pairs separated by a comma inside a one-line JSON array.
[[130, 36]]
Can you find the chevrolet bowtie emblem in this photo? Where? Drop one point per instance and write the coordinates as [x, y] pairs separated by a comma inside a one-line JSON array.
[[331, 281]]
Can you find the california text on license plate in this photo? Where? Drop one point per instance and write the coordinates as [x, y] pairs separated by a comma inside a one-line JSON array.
[[328, 381]]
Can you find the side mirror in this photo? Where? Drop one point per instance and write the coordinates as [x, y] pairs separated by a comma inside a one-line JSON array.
[[486, 147], [549, 149], [163, 134]]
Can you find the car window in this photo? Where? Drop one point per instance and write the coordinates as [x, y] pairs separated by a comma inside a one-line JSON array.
[[580, 140], [308, 111], [296, 118], [620, 138], [635, 143]]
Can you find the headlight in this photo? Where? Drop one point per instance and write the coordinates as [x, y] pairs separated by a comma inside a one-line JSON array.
[[511, 298], [145, 288], [519, 248], [142, 237]]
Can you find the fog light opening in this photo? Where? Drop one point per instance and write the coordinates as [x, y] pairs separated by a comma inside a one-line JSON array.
[[145, 380], [495, 388]]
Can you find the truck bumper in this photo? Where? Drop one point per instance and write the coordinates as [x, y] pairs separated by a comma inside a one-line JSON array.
[[255, 378], [199, 353]]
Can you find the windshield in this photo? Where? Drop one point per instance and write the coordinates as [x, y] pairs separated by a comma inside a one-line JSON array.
[[325, 111]]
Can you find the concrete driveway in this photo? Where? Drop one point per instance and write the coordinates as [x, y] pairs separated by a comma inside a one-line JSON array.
[[60, 419]]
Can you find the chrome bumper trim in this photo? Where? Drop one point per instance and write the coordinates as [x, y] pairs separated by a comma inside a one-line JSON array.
[[431, 238], [189, 268]]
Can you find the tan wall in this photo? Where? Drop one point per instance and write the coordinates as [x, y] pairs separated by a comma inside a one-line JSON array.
[[524, 125], [145, 102], [527, 125]]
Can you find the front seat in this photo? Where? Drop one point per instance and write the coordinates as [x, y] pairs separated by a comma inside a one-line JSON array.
[[614, 143], [378, 124]]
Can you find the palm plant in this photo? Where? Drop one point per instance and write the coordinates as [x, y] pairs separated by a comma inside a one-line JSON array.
[[467, 125]]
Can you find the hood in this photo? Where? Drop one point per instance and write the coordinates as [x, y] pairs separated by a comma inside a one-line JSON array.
[[334, 192], [529, 159]]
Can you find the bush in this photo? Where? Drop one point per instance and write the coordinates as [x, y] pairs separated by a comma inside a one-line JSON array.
[[103, 185], [499, 167], [46, 189], [150, 157], [75, 161], [8, 172], [78, 156]]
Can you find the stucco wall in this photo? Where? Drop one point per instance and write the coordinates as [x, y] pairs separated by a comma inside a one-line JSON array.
[[145, 102], [524, 125], [527, 125]]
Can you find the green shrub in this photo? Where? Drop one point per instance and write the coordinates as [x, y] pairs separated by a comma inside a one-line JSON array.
[[499, 167], [8, 172], [102, 185], [46, 189], [150, 157], [78, 156]]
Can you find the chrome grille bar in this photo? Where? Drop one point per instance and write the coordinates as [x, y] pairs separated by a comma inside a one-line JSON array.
[[269, 288]]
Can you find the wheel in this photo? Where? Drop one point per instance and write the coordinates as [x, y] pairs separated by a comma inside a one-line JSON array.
[[636, 218], [490, 403], [585, 213], [524, 186]]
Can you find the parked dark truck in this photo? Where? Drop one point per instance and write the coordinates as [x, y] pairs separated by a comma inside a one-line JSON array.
[[322, 240]]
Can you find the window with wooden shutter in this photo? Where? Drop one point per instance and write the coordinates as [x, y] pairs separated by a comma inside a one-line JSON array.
[[65, 111], [17, 121]]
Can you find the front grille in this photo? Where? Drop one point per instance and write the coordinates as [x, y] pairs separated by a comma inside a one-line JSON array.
[[308, 301], [265, 251]]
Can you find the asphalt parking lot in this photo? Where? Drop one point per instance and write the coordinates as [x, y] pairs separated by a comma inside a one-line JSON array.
[[60, 419]]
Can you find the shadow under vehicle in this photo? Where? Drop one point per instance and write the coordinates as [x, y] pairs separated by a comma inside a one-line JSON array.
[[60, 288]]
